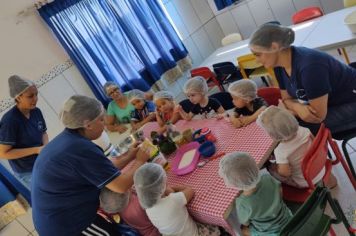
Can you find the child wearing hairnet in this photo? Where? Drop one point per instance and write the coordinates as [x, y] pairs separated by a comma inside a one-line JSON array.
[[202, 107], [166, 109], [166, 207], [128, 208], [144, 110], [294, 142], [248, 105], [260, 208]]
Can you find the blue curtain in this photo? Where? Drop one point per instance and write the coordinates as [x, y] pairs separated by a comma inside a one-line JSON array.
[[221, 4], [129, 42]]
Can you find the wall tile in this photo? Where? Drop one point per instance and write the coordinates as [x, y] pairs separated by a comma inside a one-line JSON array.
[[75, 79], [203, 10], [188, 15], [56, 92], [331, 5], [214, 32], [244, 20], [193, 51], [261, 11], [283, 10], [14, 228], [201, 40], [177, 19], [300, 4], [26, 220], [213, 7], [227, 23]]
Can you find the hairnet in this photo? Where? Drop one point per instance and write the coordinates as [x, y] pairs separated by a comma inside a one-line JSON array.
[[244, 88], [79, 109], [18, 85], [278, 123], [163, 94], [150, 184], [196, 84], [239, 170], [262, 39], [112, 202], [109, 85], [136, 94]]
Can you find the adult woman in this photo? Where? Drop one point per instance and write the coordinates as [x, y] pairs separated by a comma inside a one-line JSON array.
[[22, 129], [71, 170], [315, 86]]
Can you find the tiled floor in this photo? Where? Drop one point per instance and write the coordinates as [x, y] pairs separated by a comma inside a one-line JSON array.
[[344, 192]]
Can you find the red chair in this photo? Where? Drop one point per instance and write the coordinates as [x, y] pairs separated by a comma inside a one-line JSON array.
[[306, 14], [313, 162], [270, 94], [207, 74]]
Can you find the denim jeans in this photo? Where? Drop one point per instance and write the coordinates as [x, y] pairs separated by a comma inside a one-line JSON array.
[[24, 178]]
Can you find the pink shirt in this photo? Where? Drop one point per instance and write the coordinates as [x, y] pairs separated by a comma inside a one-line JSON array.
[[135, 216]]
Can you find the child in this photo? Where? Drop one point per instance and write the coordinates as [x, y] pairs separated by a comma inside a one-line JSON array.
[[166, 110], [167, 211], [248, 105], [144, 110], [129, 210], [196, 90], [260, 208], [294, 140]]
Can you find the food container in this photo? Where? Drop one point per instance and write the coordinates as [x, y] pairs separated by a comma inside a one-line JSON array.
[[207, 149]]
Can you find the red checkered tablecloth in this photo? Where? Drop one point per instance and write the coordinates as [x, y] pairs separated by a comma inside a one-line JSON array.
[[212, 198]]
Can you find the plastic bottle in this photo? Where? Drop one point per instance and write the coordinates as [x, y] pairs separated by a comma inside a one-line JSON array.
[[155, 155]]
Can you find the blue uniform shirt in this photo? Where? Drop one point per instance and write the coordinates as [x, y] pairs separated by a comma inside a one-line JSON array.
[[19, 132], [139, 115], [66, 182], [315, 74]]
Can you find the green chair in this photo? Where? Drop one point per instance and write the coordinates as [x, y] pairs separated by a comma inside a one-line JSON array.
[[310, 219]]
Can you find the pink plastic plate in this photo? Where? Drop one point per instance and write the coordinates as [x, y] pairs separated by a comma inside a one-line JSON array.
[[186, 152]]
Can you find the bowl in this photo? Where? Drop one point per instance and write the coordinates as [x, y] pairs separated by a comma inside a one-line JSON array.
[[207, 149], [350, 21]]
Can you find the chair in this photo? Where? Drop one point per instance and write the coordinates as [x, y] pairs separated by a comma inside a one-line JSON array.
[[310, 13], [225, 99], [270, 95], [258, 70], [310, 219], [313, 162], [208, 75], [226, 72], [231, 38]]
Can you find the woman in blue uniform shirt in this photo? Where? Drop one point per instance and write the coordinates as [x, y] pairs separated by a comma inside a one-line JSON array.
[[71, 170], [315, 86], [22, 129]]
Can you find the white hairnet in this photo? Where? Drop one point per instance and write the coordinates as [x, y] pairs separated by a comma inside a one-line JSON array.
[[262, 39], [239, 170], [278, 123], [196, 84], [136, 94], [109, 85], [244, 88], [163, 94], [79, 109], [150, 184], [18, 85], [112, 202]]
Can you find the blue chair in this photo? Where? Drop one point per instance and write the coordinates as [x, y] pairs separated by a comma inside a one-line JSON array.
[[225, 99]]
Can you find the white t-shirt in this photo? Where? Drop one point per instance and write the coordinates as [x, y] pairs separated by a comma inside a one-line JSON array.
[[292, 152], [171, 217]]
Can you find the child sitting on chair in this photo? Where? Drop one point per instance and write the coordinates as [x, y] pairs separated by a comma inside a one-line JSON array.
[[196, 90], [248, 105], [166, 109], [128, 209], [294, 142], [260, 208], [167, 209], [144, 110]]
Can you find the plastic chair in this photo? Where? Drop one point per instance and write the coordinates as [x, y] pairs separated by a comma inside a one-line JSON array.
[[313, 162], [310, 219], [231, 38], [207, 74], [226, 72], [258, 70], [225, 99], [270, 95]]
